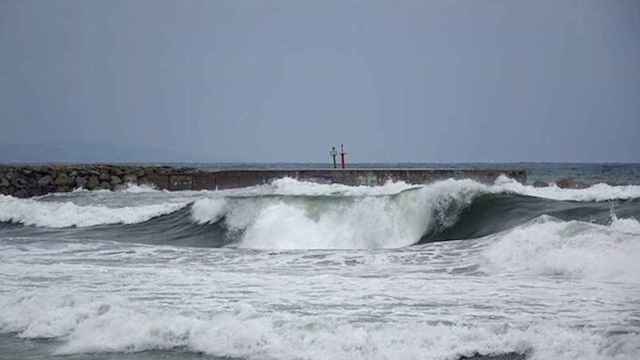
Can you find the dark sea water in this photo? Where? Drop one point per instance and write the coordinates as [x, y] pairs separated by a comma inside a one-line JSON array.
[[295, 270]]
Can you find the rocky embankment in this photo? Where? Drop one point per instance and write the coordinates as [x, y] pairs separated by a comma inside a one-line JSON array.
[[25, 181], [28, 181]]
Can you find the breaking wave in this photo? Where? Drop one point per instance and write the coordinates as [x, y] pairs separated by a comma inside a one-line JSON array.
[[288, 214], [551, 247], [65, 214]]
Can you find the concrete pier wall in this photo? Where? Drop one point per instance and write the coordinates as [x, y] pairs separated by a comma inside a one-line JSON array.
[[28, 181]]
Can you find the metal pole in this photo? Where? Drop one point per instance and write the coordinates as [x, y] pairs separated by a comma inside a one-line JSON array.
[[334, 153]]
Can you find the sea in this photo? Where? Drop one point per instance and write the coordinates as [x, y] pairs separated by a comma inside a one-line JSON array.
[[452, 270]]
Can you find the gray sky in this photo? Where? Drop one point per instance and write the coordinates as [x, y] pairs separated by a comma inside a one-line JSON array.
[[419, 81]]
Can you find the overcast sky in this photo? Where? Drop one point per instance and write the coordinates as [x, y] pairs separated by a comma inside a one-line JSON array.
[[281, 81]]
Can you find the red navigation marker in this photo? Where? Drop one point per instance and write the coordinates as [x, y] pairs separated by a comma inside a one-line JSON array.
[[342, 154]]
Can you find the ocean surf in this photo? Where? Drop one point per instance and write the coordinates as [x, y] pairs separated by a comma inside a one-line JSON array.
[[295, 270]]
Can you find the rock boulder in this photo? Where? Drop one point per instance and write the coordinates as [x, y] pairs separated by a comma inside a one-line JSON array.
[[62, 179], [115, 180], [570, 184], [130, 179], [81, 182], [93, 182], [45, 180]]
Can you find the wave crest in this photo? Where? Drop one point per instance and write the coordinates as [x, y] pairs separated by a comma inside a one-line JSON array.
[[66, 214], [387, 219], [548, 246], [288, 214]]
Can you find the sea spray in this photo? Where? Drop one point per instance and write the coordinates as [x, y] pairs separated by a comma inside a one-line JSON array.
[[330, 216], [65, 214], [549, 246]]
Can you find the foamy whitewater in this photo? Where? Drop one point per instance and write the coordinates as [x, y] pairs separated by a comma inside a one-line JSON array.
[[294, 270]]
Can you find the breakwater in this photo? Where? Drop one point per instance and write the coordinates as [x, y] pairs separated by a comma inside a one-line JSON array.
[[30, 180]]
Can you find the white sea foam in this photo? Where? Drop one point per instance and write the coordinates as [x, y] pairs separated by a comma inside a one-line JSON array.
[[553, 289], [65, 214], [139, 188], [208, 210], [397, 219], [126, 188], [628, 226], [292, 187], [351, 216], [503, 184], [113, 324], [548, 246], [393, 215], [289, 186], [597, 192]]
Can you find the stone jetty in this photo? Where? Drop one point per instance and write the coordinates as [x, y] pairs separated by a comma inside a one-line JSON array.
[[30, 180]]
